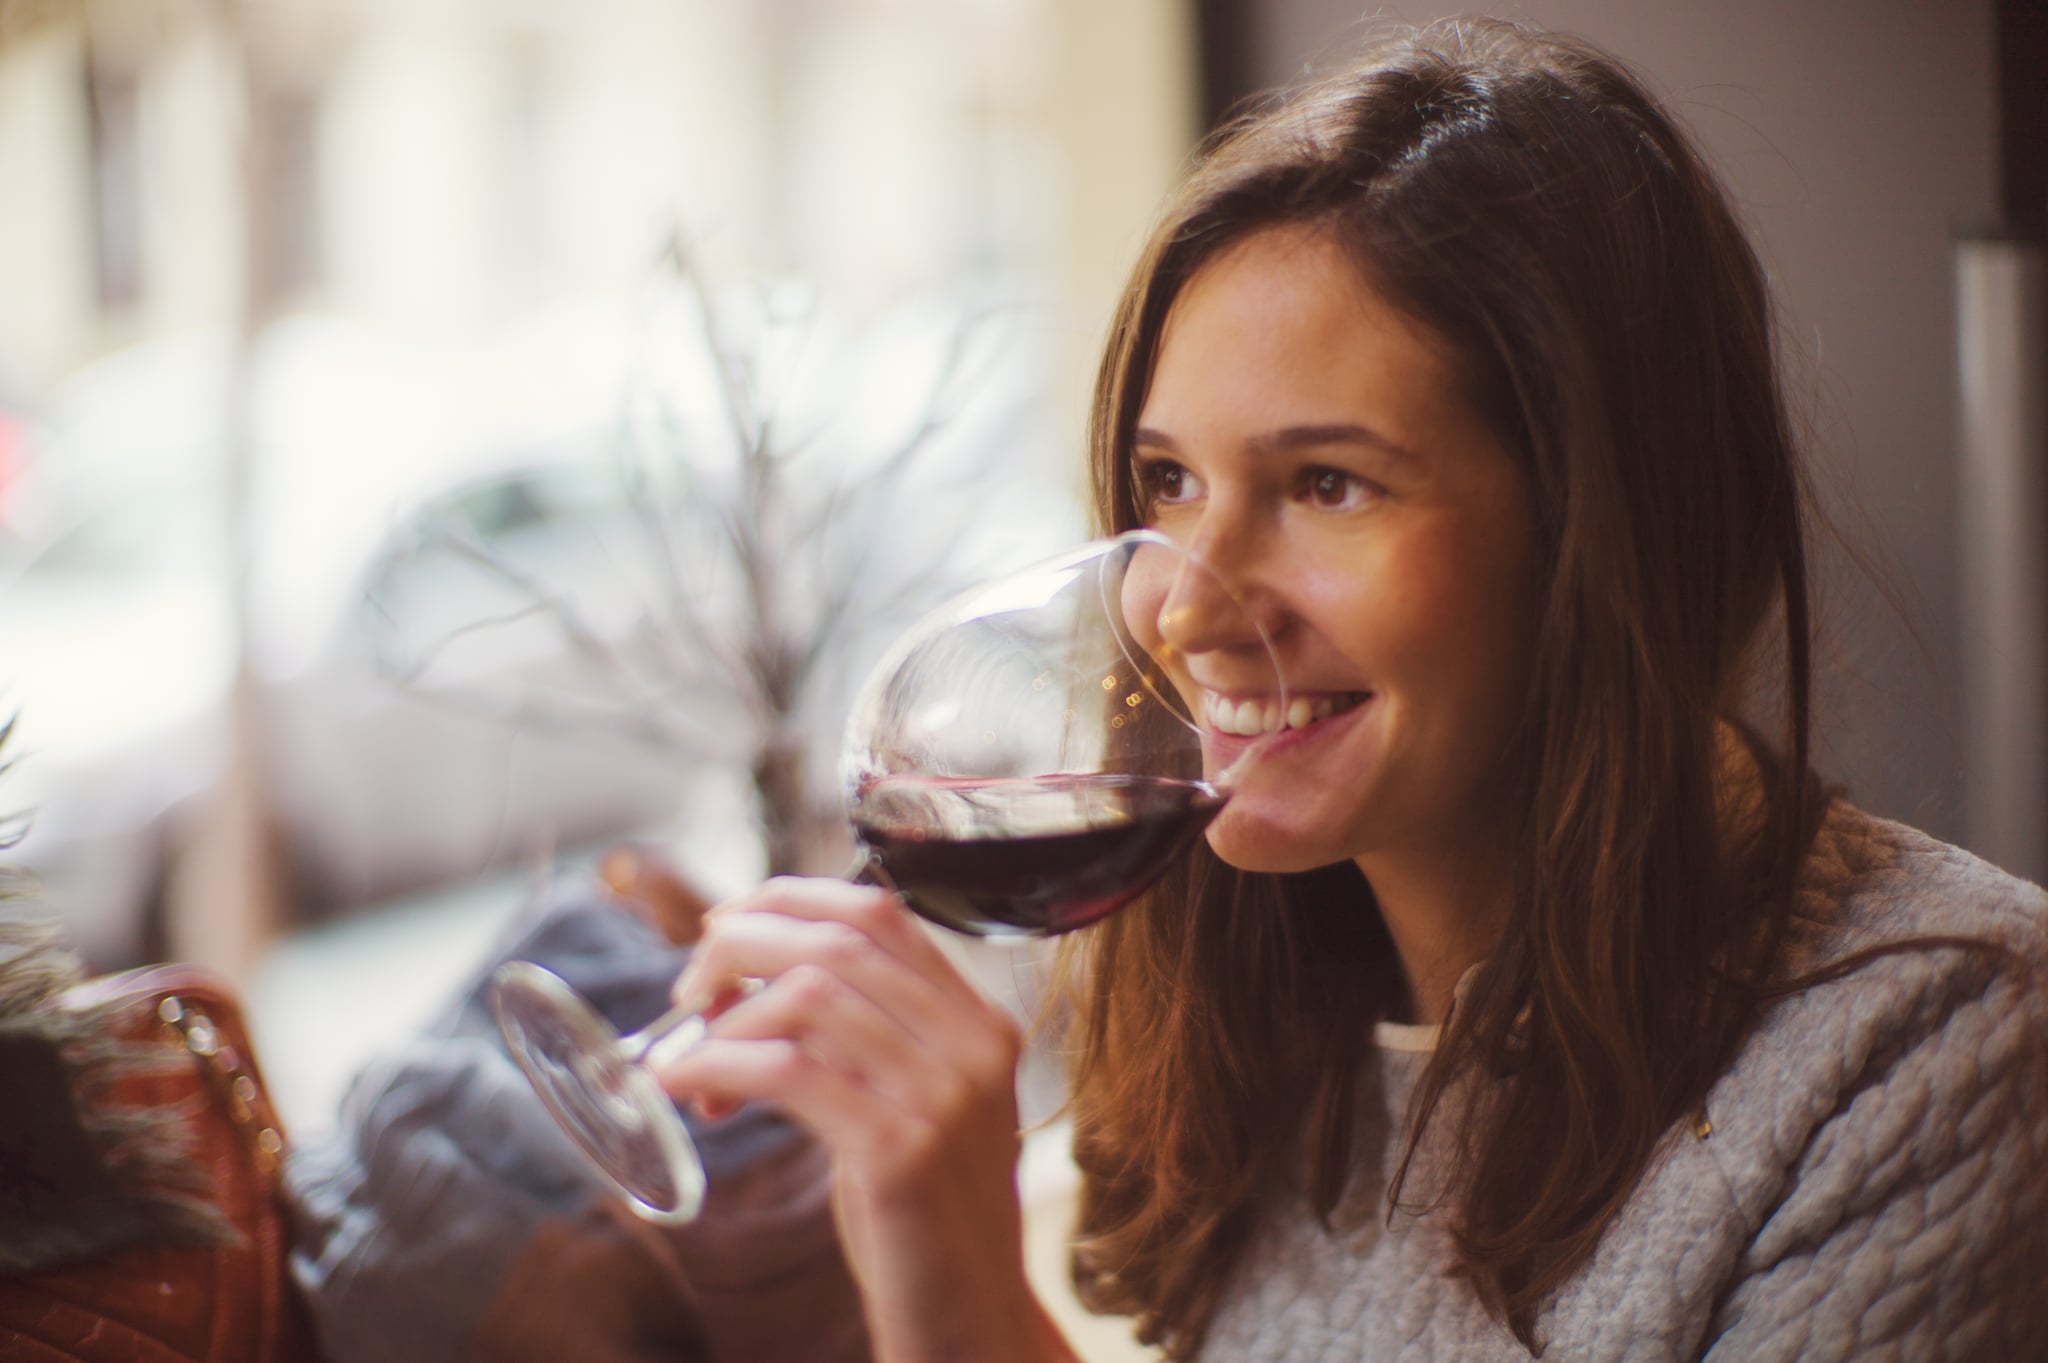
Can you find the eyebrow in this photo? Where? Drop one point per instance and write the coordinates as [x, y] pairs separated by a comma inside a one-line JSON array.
[[1296, 438]]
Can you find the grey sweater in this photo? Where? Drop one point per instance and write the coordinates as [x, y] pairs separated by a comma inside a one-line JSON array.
[[1871, 1181]]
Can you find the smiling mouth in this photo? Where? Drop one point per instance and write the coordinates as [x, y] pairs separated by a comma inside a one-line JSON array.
[[1249, 717]]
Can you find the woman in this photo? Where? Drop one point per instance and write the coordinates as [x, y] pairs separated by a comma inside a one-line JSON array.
[[1534, 996]]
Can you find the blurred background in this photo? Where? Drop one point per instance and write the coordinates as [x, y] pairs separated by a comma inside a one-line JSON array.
[[441, 437]]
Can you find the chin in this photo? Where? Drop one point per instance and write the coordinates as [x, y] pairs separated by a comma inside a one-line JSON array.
[[1243, 840]]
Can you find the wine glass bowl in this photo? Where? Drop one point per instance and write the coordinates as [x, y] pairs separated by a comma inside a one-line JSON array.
[[1022, 762], [1031, 757]]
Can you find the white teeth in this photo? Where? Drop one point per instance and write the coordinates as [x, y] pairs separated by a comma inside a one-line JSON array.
[[1247, 718]]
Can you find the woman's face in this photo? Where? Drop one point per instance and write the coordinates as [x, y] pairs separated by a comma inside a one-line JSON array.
[[1313, 445]]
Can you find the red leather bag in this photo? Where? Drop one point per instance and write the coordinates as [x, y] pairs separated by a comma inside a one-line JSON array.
[[229, 1303]]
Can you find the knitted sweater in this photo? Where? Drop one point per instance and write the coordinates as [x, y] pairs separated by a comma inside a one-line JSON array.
[[1871, 1181]]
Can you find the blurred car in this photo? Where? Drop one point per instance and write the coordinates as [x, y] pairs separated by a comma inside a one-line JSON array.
[[450, 721], [120, 641]]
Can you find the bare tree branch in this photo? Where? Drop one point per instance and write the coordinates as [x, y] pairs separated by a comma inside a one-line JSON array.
[[730, 366], [414, 668], [684, 625], [765, 579], [645, 726]]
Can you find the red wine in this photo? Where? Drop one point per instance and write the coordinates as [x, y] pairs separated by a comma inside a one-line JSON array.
[[1037, 856]]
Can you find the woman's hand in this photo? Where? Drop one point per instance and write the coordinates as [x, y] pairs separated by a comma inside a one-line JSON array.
[[864, 1032]]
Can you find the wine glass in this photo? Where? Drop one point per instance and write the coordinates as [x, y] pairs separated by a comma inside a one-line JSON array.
[[1022, 762]]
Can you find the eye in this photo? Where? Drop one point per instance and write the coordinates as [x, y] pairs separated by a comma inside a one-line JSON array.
[[1330, 489], [1162, 482]]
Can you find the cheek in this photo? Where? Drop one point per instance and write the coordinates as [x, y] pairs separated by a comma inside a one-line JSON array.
[[1286, 832], [1471, 626], [1445, 613], [1393, 606]]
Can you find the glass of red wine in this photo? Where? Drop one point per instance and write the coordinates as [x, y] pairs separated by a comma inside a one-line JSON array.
[[1023, 762]]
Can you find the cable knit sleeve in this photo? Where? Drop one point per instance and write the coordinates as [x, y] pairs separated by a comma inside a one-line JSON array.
[[1911, 1128]]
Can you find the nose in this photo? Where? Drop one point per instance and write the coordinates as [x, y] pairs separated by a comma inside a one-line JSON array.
[[1195, 605], [1201, 615]]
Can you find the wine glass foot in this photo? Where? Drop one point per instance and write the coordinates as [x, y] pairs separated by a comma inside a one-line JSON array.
[[609, 1105]]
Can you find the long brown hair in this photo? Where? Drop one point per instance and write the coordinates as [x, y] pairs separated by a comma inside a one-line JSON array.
[[1526, 199]]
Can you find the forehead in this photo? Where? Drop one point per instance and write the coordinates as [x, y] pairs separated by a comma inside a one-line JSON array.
[[1285, 326]]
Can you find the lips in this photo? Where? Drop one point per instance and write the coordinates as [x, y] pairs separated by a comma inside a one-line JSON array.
[[1251, 716]]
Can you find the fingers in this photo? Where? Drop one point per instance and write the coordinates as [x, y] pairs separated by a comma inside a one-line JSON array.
[[878, 914], [719, 1076], [851, 988], [825, 973], [885, 1138], [843, 1031], [640, 878], [861, 934]]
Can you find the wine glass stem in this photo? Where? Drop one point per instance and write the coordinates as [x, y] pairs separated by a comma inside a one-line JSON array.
[[669, 1027], [672, 1025]]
